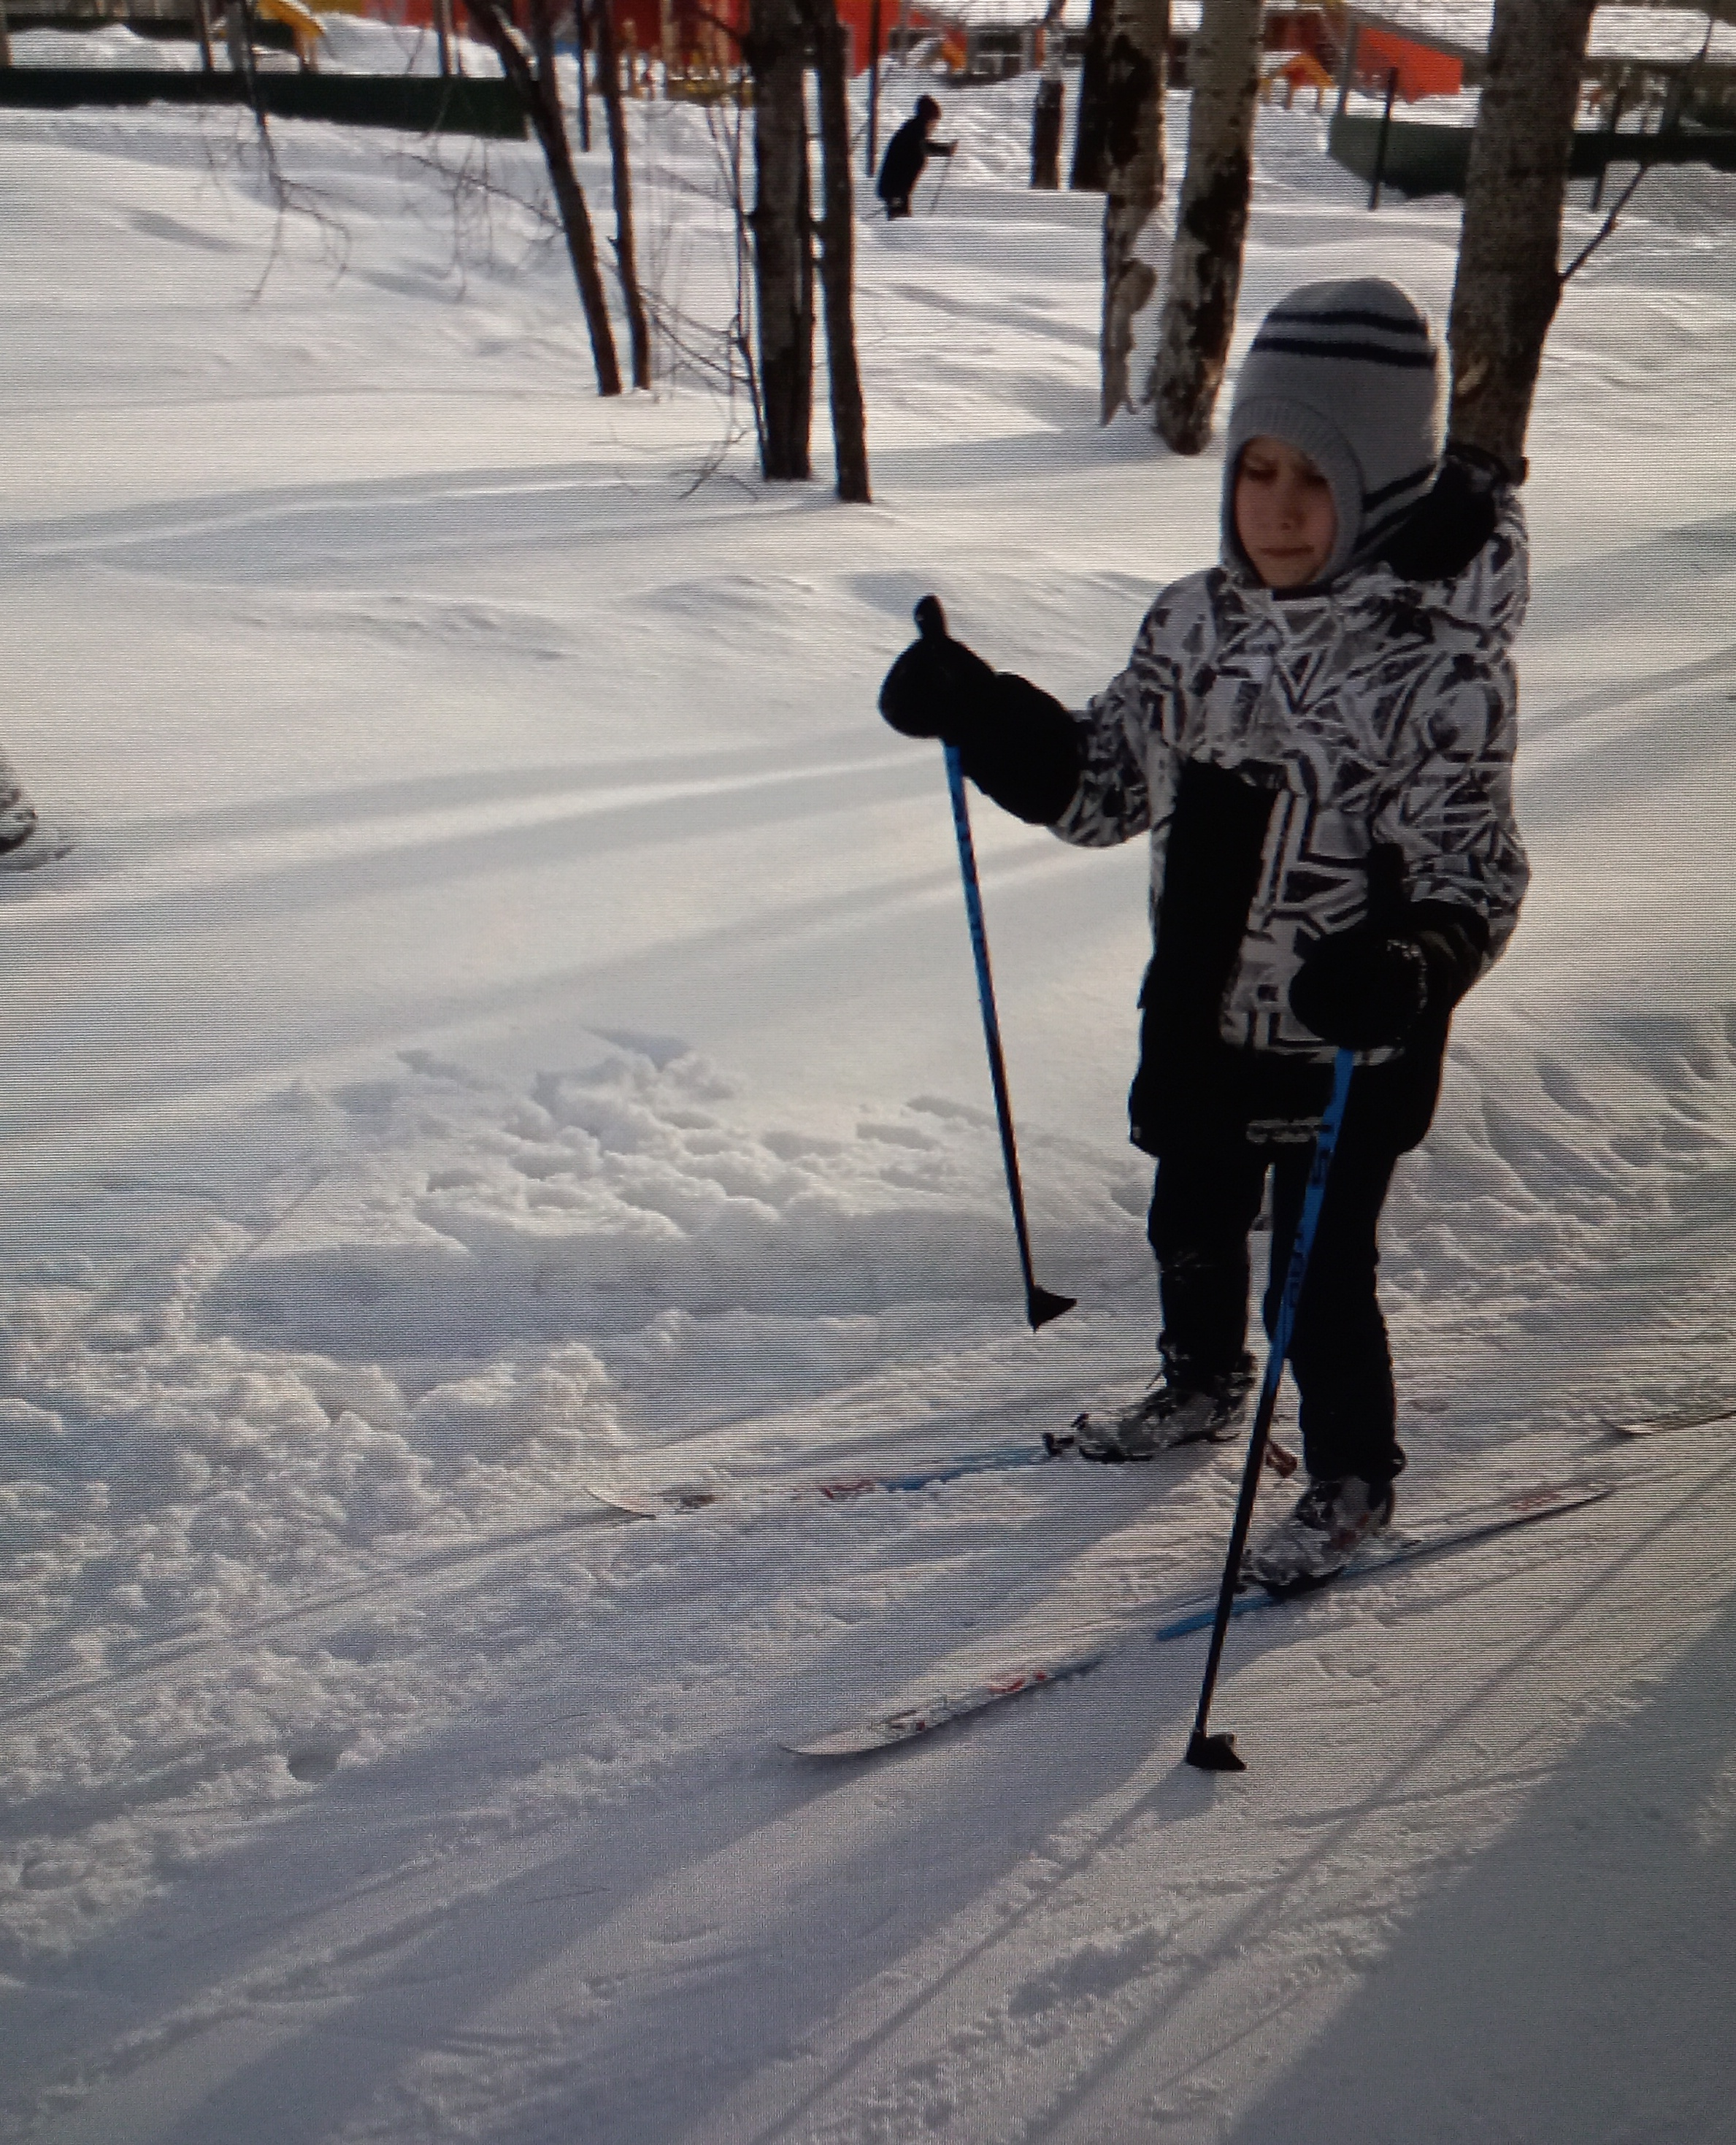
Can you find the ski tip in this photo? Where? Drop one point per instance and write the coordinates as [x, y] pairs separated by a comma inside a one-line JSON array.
[[1041, 1306], [1214, 1753], [1648, 1425], [930, 621], [854, 1742], [640, 1505], [866, 1741]]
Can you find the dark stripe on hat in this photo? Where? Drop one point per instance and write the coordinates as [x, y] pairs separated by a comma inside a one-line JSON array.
[[1364, 353], [1399, 484], [1394, 324]]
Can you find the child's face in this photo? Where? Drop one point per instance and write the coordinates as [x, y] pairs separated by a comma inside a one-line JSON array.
[[1284, 514]]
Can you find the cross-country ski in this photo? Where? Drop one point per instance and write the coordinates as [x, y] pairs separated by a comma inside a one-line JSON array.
[[1084, 1651], [653, 1503]]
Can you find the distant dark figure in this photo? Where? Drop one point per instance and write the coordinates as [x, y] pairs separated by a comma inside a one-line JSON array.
[[907, 153]]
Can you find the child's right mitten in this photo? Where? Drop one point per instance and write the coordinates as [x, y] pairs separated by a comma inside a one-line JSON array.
[[1017, 744], [938, 687]]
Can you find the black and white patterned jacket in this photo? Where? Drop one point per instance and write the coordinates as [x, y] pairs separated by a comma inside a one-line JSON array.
[[1374, 719]]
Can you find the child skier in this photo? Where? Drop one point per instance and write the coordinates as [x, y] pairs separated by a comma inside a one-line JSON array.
[[906, 154], [1318, 734]]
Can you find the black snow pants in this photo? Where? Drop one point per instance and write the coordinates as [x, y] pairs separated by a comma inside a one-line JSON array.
[[1206, 1200]]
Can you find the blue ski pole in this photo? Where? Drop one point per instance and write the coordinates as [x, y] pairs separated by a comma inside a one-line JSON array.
[[1040, 1305], [1216, 1754]]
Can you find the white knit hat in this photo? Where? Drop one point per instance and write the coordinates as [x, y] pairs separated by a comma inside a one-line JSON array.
[[1351, 374]]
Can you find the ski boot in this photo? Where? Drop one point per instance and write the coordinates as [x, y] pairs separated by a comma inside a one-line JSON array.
[[1177, 1408], [1331, 1522]]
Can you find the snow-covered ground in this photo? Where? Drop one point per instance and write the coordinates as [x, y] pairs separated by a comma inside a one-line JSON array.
[[509, 1022]]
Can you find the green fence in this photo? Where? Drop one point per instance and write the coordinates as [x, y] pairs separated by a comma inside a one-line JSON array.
[[1424, 159], [416, 103]]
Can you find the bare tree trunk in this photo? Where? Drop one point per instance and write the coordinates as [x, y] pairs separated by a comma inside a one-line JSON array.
[[1133, 137], [783, 237], [1211, 224], [1090, 171], [1049, 108], [1508, 284], [542, 106], [838, 255], [584, 77], [542, 44], [238, 36], [202, 27], [871, 155], [626, 259]]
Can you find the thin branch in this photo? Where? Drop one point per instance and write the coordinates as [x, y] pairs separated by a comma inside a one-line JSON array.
[[1632, 187], [1614, 217]]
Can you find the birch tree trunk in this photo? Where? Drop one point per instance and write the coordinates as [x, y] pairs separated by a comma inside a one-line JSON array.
[[1133, 142], [626, 259], [837, 254], [543, 107], [1211, 224], [783, 237], [1508, 282], [1090, 169]]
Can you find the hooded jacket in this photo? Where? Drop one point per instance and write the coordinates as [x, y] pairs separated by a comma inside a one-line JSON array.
[[1303, 762]]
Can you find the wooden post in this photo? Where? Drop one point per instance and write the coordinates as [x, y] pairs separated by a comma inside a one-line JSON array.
[[874, 86], [1392, 88], [1603, 169], [1047, 111], [1346, 69]]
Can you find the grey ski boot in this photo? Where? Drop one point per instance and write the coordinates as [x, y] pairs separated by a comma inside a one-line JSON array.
[[1177, 1408], [1331, 1522]]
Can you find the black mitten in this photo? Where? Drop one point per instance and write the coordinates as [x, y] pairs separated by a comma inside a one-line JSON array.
[[938, 687], [1017, 743], [1446, 530], [1366, 988], [1361, 988]]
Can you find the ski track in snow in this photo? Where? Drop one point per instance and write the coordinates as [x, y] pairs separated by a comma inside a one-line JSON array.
[[508, 1023]]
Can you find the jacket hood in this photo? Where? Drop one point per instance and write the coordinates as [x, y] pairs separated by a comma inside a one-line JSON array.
[[1481, 608]]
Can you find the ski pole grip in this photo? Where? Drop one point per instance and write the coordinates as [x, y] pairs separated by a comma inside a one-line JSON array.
[[930, 621]]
